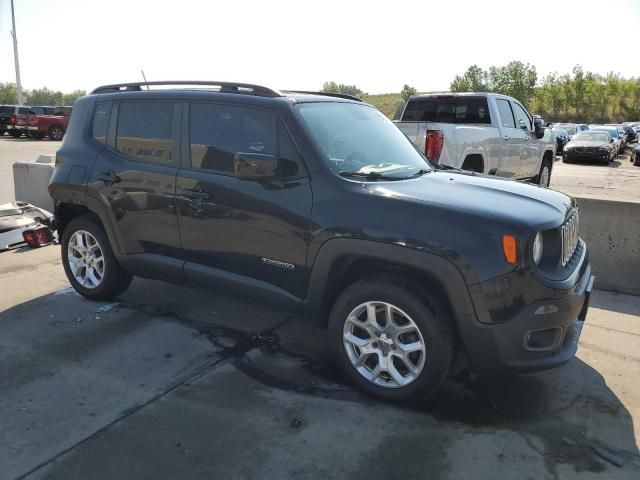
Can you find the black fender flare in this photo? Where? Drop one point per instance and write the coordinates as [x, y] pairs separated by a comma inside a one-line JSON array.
[[437, 267]]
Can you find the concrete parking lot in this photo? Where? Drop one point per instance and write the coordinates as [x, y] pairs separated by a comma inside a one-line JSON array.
[[170, 382]]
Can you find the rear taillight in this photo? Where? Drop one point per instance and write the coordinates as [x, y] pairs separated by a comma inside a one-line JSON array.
[[13, 119], [38, 237], [434, 145]]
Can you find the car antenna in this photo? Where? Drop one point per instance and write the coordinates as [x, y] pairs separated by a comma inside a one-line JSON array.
[[145, 78]]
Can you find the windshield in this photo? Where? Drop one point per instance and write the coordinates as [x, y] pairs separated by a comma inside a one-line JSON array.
[[559, 131], [612, 132], [359, 139], [592, 137], [570, 130]]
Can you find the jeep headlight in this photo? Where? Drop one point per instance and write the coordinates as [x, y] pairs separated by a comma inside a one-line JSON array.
[[537, 248]]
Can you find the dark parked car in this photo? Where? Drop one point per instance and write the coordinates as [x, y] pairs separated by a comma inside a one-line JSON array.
[[632, 135], [635, 155], [590, 145], [317, 204], [562, 138], [8, 115]]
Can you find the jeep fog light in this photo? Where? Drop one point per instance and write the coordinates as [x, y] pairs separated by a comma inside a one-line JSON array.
[[537, 248]]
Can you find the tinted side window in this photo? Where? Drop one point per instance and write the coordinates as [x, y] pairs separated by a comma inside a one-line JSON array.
[[38, 110], [218, 132], [144, 131], [522, 119], [289, 158], [101, 116], [458, 109], [506, 116], [23, 110]]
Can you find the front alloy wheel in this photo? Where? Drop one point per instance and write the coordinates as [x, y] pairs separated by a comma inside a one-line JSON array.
[[86, 259], [544, 176], [384, 344]]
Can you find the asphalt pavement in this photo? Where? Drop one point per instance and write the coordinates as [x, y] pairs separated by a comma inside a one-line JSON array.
[[170, 382]]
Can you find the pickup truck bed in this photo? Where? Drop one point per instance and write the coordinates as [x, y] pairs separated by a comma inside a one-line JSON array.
[[482, 132]]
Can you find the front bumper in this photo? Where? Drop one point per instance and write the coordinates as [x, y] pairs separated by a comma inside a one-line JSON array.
[[596, 156], [541, 334]]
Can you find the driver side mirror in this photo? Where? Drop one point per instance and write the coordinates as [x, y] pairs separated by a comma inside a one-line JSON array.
[[538, 127], [611, 140], [255, 166]]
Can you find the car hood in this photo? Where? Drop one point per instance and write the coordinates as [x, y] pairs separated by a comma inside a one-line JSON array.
[[587, 143], [513, 202]]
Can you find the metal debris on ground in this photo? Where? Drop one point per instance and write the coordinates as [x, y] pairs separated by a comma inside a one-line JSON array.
[[107, 308], [296, 423]]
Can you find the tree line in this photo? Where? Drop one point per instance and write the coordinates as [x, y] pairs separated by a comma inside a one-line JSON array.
[[580, 96], [38, 96]]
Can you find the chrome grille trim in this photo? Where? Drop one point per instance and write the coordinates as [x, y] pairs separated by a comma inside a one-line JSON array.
[[570, 232]]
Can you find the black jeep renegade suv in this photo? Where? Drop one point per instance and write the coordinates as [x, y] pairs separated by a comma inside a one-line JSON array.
[[318, 205]]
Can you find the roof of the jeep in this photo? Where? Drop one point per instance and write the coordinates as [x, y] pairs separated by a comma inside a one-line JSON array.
[[205, 89]]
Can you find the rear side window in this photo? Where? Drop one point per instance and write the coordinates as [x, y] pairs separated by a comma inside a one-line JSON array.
[[458, 109], [6, 109], [218, 132], [522, 119], [145, 131], [506, 115], [101, 116], [38, 110]]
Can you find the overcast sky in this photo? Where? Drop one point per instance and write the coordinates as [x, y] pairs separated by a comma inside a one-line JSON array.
[[376, 45]]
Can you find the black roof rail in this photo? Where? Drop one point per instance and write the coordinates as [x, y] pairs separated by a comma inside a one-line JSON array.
[[327, 94], [224, 87]]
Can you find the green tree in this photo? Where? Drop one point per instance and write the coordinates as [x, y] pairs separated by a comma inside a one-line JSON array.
[[406, 92], [333, 87], [44, 96], [514, 79], [69, 98], [473, 80], [8, 93], [551, 95]]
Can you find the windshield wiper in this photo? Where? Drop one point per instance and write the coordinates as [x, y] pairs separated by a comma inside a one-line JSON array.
[[370, 176], [419, 173]]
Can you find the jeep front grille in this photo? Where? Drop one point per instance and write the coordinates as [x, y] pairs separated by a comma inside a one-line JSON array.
[[569, 238]]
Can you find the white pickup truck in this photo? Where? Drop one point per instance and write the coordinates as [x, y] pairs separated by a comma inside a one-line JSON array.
[[482, 132]]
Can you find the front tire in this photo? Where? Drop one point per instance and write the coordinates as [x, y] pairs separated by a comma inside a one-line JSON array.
[[544, 177], [89, 262], [393, 340]]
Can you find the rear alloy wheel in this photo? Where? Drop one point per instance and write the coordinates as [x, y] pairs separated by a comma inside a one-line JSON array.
[[89, 262], [56, 133], [393, 340], [86, 259]]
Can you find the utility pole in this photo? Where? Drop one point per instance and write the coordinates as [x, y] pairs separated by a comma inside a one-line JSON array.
[[15, 57]]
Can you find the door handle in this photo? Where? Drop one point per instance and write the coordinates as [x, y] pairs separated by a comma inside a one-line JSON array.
[[195, 194], [109, 177]]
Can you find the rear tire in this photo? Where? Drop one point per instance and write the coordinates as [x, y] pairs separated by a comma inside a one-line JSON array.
[[406, 359], [56, 133], [89, 262]]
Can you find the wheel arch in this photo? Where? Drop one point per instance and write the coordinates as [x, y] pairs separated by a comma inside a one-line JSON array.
[[474, 162], [341, 262]]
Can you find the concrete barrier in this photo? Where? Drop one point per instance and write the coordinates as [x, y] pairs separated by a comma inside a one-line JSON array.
[[612, 232], [31, 180]]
